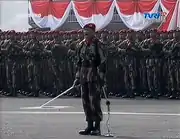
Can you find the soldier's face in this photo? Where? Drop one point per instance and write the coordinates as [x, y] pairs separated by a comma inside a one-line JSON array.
[[31, 36], [129, 36], [80, 35], [152, 35], [115, 37], [122, 36], [162, 35], [178, 34], [88, 34], [18, 37], [174, 35], [103, 35], [170, 36]]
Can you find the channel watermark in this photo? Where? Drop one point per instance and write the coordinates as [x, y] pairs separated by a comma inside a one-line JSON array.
[[156, 17]]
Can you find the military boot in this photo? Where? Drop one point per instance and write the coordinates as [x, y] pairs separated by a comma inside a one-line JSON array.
[[97, 130], [88, 130]]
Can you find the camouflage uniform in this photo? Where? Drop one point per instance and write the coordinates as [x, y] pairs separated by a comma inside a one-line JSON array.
[[129, 65], [174, 68], [153, 64], [89, 58]]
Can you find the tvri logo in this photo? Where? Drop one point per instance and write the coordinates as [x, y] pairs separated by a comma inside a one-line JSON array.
[[156, 17]]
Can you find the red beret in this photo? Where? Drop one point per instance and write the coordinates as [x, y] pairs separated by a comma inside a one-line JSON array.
[[90, 26]]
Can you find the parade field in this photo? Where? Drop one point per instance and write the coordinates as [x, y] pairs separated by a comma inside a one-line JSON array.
[[22, 118]]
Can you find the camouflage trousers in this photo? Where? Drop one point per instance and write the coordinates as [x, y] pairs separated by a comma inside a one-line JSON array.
[[91, 99]]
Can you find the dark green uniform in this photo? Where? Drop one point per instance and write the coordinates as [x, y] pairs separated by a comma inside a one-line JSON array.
[[91, 61]]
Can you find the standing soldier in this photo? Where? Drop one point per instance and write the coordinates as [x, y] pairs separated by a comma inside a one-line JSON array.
[[90, 66], [145, 52], [174, 66], [153, 64], [167, 67], [128, 46]]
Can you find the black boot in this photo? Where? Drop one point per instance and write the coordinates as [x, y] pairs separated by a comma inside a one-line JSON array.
[[97, 130], [88, 130]]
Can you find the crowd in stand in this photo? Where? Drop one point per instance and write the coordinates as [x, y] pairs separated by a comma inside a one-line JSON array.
[[142, 63]]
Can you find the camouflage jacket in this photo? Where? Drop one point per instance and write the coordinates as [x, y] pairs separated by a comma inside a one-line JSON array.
[[91, 60]]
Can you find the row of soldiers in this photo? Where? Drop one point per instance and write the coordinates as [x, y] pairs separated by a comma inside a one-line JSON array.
[[143, 63]]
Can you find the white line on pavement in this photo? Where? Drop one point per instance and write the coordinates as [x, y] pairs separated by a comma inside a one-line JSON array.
[[45, 107], [79, 113]]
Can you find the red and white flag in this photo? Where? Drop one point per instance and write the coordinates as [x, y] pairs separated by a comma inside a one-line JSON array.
[[100, 13], [172, 8], [132, 12], [49, 14]]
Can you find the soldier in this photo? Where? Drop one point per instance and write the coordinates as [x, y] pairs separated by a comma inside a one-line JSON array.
[[3, 54], [153, 64], [145, 53], [59, 53], [174, 66], [91, 61], [165, 79], [104, 37], [34, 65], [177, 45], [11, 65], [129, 48], [167, 67], [139, 37], [114, 62]]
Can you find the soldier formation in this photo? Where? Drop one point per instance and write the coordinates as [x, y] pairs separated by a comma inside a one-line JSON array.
[[143, 63]]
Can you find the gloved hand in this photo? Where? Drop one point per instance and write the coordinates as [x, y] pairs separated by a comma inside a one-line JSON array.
[[76, 82], [102, 79], [101, 76]]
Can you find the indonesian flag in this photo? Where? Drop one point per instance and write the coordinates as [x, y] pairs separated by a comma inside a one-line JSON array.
[[172, 8], [49, 14], [100, 13], [132, 12]]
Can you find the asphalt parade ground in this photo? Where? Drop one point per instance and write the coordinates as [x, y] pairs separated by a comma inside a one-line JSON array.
[[22, 118]]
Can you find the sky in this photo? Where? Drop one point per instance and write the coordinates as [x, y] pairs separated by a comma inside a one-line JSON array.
[[14, 15]]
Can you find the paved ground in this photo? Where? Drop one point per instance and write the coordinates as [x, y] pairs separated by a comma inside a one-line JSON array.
[[130, 119]]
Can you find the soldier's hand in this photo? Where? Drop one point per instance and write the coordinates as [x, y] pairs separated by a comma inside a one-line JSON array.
[[76, 82], [101, 76]]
